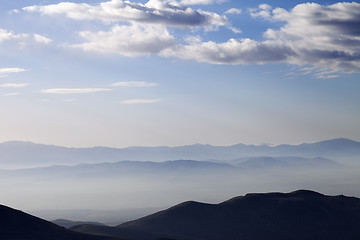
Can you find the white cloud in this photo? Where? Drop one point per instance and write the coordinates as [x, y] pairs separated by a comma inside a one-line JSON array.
[[11, 70], [242, 51], [14, 11], [233, 11], [41, 39], [140, 101], [6, 35], [263, 11], [74, 90], [193, 39], [131, 41], [326, 37], [169, 13], [200, 2], [323, 36], [134, 84], [69, 100], [12, 94], [23, 39], [310, 35], [14, 85]]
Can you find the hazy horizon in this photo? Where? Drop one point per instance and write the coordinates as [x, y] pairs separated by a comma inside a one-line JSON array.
[[120, 74], [184, 145]]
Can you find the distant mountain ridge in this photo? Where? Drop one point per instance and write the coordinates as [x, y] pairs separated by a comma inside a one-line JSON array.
[[169, 168], [68, 224], [31, 154], [296, 215]]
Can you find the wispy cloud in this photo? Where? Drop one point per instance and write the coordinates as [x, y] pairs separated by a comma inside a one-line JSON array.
[[42, 39], [8, 35], [134, 84], [263, 11], [233, 11], [22, 38], [74, 90], [11, 70], [14, 85], [140, 101], [12, 94]]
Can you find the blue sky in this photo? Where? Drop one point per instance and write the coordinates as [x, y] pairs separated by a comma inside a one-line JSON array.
[[124, 73]]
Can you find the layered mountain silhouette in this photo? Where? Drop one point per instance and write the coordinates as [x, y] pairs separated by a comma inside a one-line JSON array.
[[298, 215], [17, 225], [30, 154], [68, 224], [170, 168]]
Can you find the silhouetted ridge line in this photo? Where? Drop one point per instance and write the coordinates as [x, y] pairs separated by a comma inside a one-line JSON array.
[[297, 215], [17, 225]]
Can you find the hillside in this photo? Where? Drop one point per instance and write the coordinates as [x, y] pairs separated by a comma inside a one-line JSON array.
[[17, 225], [297, 215]]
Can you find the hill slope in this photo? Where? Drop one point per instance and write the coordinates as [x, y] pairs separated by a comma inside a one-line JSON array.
[[297, 215], [17, 225]]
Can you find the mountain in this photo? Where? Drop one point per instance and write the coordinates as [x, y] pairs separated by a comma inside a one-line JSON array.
[[68, 224], [169, 168], [17, 225], [122, 232], [254, 163], [117, 169], [296, 215], [25, 154]]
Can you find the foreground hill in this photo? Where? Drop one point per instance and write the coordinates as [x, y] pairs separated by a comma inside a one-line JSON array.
[[297, 215], [17, 225]]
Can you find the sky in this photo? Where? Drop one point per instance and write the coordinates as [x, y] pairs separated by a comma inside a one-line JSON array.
[[148, 73]]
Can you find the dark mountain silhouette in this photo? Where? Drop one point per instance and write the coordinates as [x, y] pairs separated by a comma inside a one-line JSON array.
[[297, 215], [68, 224], [17, 225], [122, 232], [30, 154]]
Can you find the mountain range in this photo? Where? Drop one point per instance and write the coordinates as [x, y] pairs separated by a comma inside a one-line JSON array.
[[297, 215], [25, 154]]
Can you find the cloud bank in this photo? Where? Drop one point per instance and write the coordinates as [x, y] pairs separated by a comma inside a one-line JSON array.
[[324, 37]]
